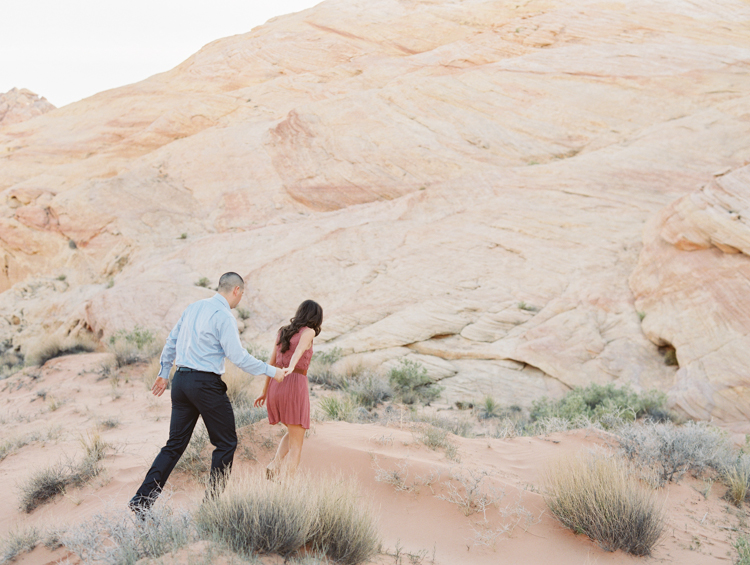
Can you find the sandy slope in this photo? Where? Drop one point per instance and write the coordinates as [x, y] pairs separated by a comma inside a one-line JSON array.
[[417, 520]]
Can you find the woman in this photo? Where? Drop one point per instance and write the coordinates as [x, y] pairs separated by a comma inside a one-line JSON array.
[[287, 398]]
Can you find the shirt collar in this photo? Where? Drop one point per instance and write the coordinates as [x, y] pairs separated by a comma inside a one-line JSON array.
[[222, 300]]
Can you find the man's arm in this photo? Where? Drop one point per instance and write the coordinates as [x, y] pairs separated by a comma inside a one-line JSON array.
[[229, 338], [167, 359]]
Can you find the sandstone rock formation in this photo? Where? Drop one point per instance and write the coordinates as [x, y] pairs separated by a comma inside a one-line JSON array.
[[20, 105], [693, 285], [461, 183]]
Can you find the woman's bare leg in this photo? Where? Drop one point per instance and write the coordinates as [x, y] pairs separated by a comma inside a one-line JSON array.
[[296, 435], [281, 452]]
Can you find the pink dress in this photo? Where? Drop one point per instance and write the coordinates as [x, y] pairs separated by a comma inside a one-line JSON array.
[[288, 402]]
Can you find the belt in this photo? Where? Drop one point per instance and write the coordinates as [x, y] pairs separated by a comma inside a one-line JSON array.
[[190, 370], [297, 369]]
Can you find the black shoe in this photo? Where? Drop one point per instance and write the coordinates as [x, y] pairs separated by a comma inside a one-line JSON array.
[[141, 506]]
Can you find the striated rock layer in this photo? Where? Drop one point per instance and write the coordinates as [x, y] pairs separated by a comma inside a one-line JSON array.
[[465, 184]]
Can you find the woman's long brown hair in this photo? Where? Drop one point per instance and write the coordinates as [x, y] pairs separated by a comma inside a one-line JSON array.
[[309, 314]]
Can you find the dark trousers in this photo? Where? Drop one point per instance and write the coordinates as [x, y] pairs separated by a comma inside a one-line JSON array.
[[194, 393]]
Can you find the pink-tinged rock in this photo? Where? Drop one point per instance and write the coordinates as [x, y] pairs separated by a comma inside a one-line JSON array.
[[692, 283], [464, 184], [19, 105]]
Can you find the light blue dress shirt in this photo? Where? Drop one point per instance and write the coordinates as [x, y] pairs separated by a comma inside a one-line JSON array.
[[205, 334]]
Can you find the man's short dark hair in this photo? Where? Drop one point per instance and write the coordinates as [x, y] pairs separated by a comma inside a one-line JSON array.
[[228, 281]]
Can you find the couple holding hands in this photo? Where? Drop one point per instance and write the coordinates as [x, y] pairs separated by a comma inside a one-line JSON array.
[[204, 336]]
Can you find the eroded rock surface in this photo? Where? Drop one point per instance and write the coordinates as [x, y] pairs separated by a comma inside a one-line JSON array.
[[692, 284], [18, 105], [466, 183]]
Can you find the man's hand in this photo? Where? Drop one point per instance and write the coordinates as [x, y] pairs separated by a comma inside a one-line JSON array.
[[281, 373], [160, 385]]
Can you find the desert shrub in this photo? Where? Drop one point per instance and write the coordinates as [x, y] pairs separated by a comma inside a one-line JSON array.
[[11, 359], [345, 530], [192, 460], [247, 414], [736, 476], [470, 495], [411, 383], [328, 357], [54, 346], [599, 496], [44, 484], [134, 346], [17, 542], [11, 445], [456, 426], [489, 408], [258, 351], [742, 546], [433, 437], [607, 405], [255, 516], [369, 389], [338, 408], [674, 450], [243, 314], [203, 282], [121, 539]]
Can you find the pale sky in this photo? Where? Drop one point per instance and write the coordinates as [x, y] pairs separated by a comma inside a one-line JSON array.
[[66, 50]]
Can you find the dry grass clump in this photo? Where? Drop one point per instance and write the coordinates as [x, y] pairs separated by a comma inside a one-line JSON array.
[[44, 484], [599, 496], [17, 542], [345, 530], [674, 450], [737, 478], [255, 516], [121, 539], [50, 347]]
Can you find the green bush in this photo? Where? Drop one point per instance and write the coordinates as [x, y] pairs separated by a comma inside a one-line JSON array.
[[328, 357], [133, 346], [742, 545], [603, 404], [411, 383]]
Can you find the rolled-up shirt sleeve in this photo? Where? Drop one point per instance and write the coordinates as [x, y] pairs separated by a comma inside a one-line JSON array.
[[229, 337], [170, 350]]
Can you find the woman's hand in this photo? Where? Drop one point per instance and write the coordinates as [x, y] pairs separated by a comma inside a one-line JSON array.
[[281, 373], [261, 400]]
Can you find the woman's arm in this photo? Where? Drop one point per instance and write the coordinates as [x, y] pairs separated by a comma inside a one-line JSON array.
[[261, 400], [305, 341]]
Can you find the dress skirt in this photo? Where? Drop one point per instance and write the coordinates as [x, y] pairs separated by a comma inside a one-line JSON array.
[[288, 402]]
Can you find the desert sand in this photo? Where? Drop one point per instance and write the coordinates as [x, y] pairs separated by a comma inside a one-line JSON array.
[[700, 529]]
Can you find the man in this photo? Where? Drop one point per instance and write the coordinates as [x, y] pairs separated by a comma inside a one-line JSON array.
[[205, 334]]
